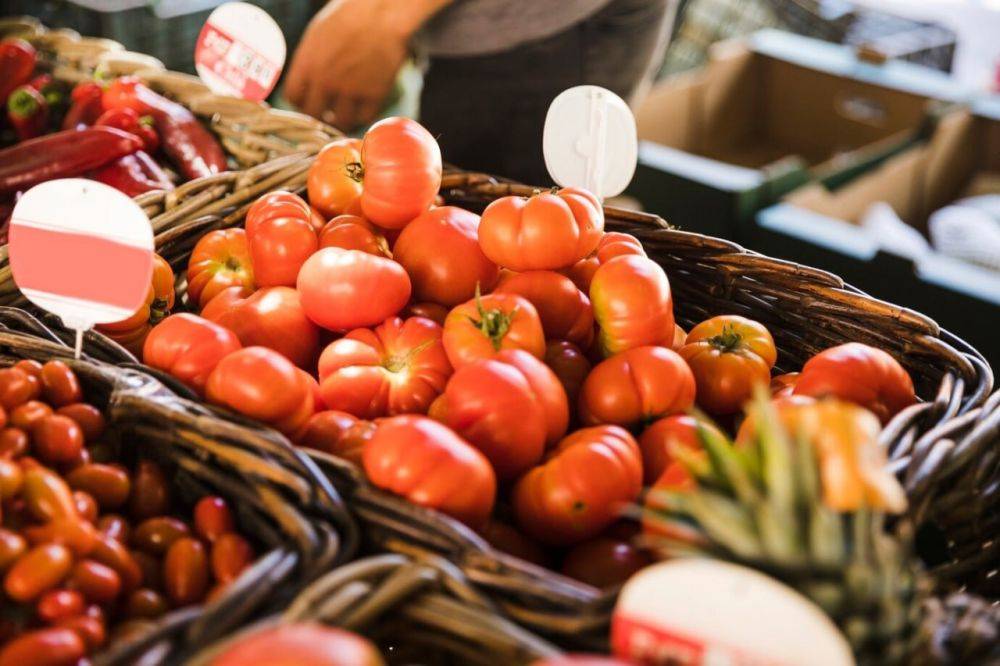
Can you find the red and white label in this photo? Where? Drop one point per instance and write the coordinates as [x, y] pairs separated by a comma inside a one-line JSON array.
[[240, 52], [652, 645]]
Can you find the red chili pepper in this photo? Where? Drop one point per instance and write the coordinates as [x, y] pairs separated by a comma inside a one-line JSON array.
[[51, 90], [62, 155], [17, 64], [129, 120], [86, 105], [133, 174], [28, 112], [187, 143]]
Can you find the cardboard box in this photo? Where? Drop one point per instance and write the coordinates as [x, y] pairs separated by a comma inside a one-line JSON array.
[[766, 115]]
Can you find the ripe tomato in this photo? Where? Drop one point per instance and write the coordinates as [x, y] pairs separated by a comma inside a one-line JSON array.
[[351, 232], [281, 235], [337, 433], [270, 317], [860, 374], [612, 244], [680, 337], [728, 355], [441, 254], [54, 645], [783, 385], [333, 182], [604, 561], [546, 232], [346, 289], [581, 488], [509, 407], [131, 333], [401, 171], [637, 385], [632, 304], [657, 442], [264, 385], [433, 311], [312, 644], [564, 310], [488, 324], [188, 347], [570, 365], [428, 464], [399, 367], [221, 259]]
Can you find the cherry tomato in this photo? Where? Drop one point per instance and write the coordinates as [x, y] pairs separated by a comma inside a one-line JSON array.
[[485, 325], [346, 289], [112, 553], [351, 232], [431, 466], [26, 415], [188, 347], [632, 304], [16, 388], [212, 518], [57, 439], [312, 644], [221, 259], [13, 443], [635, 386], [37, 571], [99, 584], [150, 494], [146, 603], [546, 232], [564, 310], [86, 506], [185, 571], [12, 547], [114, 526], [47, 496], [337, 433], [334, 181], [88, 417], [604, 561], [75, 533], [90, 630], [58, 604], [131, 332], [281, 236], [231, 555], [155, 535], [44, 647], [11, 479], [569, 364], [108, 484]]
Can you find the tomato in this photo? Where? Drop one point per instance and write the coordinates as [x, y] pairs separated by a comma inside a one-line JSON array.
[[729, 355], [150, 494], [55, 646], [27, 415], [108, 484], [604, 561], [351, 232], [399, 367], [146, 603], [507, 539], [60, 385], [509, 407], [270, 317], [570, 365], [281, 237], [99, 583], [17, 387], [57, 439], [289, 644], [433, 311], [488, 324], [636, 386], [401, 172], [440, 252], [657, 442], [546, 232], [612, 244], [333, 183], [861, 374], [337, 433], [155, 535], [186, 571], [188, 347], [212, 518], [264, 385], [783, 385], [632, 304], [37, 571], [131, 333], [564, 310], [58, 604], [431, 466], [581, 488], [220, 259], [47, 495], [346, 289]]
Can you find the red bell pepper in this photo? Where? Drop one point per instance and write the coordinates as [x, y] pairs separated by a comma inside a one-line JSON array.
[[85, 107], [28, 112], [62, 155], [17, 64], [133, 174], [130, 121], [187, 143]]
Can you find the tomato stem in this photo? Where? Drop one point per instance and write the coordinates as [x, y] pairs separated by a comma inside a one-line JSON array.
[[493, 323], [729, 340], [355, 171]]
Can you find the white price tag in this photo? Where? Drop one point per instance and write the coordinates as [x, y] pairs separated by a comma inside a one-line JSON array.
[[240, 51]]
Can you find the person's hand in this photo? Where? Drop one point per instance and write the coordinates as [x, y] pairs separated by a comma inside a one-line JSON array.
[[347, 61]]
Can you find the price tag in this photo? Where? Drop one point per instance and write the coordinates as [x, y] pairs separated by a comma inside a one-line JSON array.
[[81, 250], [240, 51], [590, 140]]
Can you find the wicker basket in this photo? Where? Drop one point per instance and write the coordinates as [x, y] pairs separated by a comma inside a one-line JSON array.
[[296, 517]]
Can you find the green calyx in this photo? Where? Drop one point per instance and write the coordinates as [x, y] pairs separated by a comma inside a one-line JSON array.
[[493, 323], [729, 340], [22, 103]]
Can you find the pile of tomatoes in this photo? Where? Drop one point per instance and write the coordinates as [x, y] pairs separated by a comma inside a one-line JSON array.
[[89, 549], [521, 371]]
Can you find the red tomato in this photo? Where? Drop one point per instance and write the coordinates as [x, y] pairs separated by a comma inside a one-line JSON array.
[[546, 232], [345, 289], [56, 646], [441, 254], [401, 172], [783, 385], [509, 407], [604, 561], [632, 304], [861, 374], [300, 644], [271, 317], [220, 260], [657, 442], [611, 245], [564, 310], [264, 385], [486, 325], [581, 488], [433, 311], [428, 464], [131, 333], [188, 347], [334, 181], [398, 368], [351, 232], [337, 433], [281, 236], [728, 355], [637, 385], [570, 365]]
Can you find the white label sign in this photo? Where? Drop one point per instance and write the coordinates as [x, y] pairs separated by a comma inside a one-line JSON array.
[[240, 52]]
